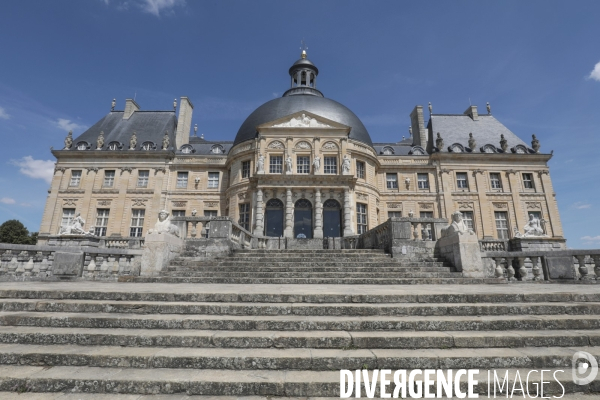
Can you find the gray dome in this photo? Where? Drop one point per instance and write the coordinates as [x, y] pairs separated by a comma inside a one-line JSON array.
[[283, 106]]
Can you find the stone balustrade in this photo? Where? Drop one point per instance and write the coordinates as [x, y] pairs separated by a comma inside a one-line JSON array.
[[493, 245]]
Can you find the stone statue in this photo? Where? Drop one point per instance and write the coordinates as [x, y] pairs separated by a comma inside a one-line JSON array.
[[133, 141], [113, 105], [425, 232], [100, 141], [260, 165], [316, 164], [69, 141], [439, 142], [288, 164], [535, 143], [458, 226], [472, 142], [430, 108], [346, 164], [503, 143], [75, 227], [533, 227], [165, 142], [489, 108], [410, 130], [411, 214], [194, 212], [164, 225]]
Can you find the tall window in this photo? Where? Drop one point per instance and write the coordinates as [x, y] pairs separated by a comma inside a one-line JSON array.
[[461, 180], [392, 181], [246, 169], [210, 213], [423, 181], [495, 180], [468, 218], [394, 214], [426, 214], [75, 178], [137, 222], [303, 164], [361, 218], [501, 224], [275, 164], [143, 177], [330, 165], [213, 180], [67, 217], [245, 216], [182, 180], [360, 169], [109, 179], [528, 181], [101, 221]]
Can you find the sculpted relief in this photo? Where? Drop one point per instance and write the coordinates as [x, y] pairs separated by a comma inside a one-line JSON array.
[[303, 121]]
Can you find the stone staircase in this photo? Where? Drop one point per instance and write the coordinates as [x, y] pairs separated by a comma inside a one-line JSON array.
[[280, 340], [312, 267]]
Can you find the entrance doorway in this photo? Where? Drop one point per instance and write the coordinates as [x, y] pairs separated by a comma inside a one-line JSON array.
[[332, 219], [303, 219], [274, 218]]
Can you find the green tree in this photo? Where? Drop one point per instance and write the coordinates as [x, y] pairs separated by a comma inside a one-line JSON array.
[[13, 231]]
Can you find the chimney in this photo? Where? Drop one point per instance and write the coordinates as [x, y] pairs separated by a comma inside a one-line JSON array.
[[472, 112], [130, 107], [184, 122], [418, 127]]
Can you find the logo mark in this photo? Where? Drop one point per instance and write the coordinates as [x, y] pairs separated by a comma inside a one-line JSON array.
[[584, 364]]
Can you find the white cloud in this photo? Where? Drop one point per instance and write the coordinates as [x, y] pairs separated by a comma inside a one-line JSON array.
[[4, 114], [37, 169], [581, 205], [68, 125], [592, 240], [157, 6], [7, 200], [595, 74]]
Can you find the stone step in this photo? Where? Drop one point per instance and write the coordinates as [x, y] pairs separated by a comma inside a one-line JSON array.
[[303, 339], [300, 322], [308, 270], [525, 293], [287, 359], [74, 379], [321, 309], [317, 281], [309, 275], [338, 264], [284, 256], [310, 251]]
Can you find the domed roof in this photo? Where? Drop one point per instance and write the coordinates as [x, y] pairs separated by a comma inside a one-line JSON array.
[[303, 97]]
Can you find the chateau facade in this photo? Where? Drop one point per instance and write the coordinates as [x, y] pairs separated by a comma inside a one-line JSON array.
[[300, 166]]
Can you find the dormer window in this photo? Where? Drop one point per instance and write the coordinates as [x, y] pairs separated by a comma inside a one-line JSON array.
[[388, 151], [82, 146], [187, 149], [114, 146], [217, 149], [417, 151], [148, 146]]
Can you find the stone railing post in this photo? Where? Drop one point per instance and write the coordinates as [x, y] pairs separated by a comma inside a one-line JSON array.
[[537, 271], [522, 268], [499, 270], [510, 270], [583, 269], [596, 259]]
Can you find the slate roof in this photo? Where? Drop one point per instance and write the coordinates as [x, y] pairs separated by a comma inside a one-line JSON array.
[[205, 147], [455, 128], [149, 126], [400, 148]]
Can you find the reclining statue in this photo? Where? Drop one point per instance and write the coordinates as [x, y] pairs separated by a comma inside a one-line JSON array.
[[458, 225], [75, 227], [164, 225], [533, 228]]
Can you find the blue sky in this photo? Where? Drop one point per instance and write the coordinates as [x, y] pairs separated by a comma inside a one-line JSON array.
[[536, 62]]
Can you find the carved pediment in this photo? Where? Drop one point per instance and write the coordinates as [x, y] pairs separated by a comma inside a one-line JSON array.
[[304, 119]]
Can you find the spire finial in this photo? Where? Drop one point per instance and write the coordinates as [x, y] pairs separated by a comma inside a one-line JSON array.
[[430, 108], [489, 108], [195, 130], [175, 105], [113, 105], [303, 47]]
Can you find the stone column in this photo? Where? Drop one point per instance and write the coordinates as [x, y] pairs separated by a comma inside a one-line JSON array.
[[289, 215], [348, 231], [259, 230], [318, 231]]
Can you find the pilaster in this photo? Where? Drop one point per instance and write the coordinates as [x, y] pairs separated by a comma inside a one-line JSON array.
[[260, 227], [318, 232], [348, 231], [551, 204], [289, 214]]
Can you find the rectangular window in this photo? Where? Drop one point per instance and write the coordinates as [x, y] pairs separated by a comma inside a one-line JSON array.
[[461, 180], [330, 165], [275, 164], [501, 224], [245, 169], [143, 177], [178, 213], [394, 214], [244, 220], [468, 218], [528, 181], [213, 180], [75, 178], [360, 169], [426, 214], [210, 213], [182, 180], [109, 179], [137, 222], [423, 181], [361, 218], [495, 180], [392, 181], [303, 164], [101, 221], [67, 217]]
